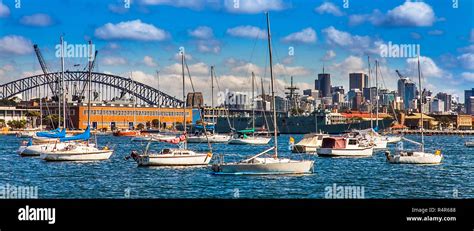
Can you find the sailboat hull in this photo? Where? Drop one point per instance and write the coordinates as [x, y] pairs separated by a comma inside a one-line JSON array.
[[251, 141], [414, 158], [173, 160], [331, 152], [68, 156], [212, 139], [287, 167]]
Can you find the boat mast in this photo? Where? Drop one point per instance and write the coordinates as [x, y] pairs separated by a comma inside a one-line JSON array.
[[61, 94], [41, 109], [272, 87], [184, 98], [89, 87], [212, 94], [421, 107], [376, 95], [370, 93], [159, 102], [253, 101]]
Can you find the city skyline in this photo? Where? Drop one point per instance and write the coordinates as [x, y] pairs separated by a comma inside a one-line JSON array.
[[144, 38]]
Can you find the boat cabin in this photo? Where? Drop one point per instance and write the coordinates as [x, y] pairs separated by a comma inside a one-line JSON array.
[[339, 142]]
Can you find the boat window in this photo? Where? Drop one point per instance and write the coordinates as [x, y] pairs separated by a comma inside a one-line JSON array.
[[352, 142], [166, 151]]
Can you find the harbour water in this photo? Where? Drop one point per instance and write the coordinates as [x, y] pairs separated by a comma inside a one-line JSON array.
[[120, 178]]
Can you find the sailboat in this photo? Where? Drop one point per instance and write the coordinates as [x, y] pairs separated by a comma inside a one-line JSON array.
[[77, 151], [205, 131], [177, 156], [419, 156], [257, 164], [248, 136]]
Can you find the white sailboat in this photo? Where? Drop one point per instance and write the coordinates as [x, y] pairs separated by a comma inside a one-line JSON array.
[[310, 143], [174, 157], [419, 156], [266, 165], [242, 137], [77, 151]]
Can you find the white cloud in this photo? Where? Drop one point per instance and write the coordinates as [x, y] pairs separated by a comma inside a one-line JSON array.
[[329, 55], [247, 32], [428, 67], [148, 60], [4, 10], [281, 69], [133, 30], [208, 46], [195, 69], [177, 57], [469, 76], [349, 65], [307, 35], [467, 60], [113, 61], [191, 4], [39, 20], [355, 43], [253, 6], [328, 8], [15, 44], [409, 14], [202, 32]]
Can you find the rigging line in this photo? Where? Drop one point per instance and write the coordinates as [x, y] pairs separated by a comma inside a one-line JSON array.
[[252, 53], [189, 74]]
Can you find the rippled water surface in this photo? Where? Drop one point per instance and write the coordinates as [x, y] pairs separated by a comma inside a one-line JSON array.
[[115, 177]]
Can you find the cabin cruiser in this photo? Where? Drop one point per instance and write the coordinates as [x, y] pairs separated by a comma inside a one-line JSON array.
[[249, 137], [310, 143], [172, 157], [345, 146], [375, 139], [203, 135]]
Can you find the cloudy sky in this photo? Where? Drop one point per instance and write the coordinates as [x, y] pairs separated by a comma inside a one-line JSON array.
[[146, 36]]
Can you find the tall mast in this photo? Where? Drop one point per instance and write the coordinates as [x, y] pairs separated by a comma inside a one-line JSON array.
[[89, 85], [184, 97], [421, 107], [253, 101], [159, 100], [134, 102], [272, 87], [376, 94], [41, 109], [370, 93], [63, 90], [212, 93]]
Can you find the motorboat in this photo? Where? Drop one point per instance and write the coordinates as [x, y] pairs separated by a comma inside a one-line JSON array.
[[76, 152], [375, 139], [469, 144], [345, 147], [310, 143], [129, 133], [172, 157]]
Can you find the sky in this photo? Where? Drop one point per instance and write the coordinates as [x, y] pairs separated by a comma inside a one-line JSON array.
[[140, 37]]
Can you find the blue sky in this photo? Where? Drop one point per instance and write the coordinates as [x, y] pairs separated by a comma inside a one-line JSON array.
[[146, 37]]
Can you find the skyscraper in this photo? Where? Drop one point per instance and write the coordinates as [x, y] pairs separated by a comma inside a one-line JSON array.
[[358, 81], [409, 94], [324, 81], [469, 101]]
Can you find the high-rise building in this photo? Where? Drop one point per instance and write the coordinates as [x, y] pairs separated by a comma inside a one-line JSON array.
[[357, 81], [370, 94], [324, 81], [316, 84], [447, 99], [469, 101], [409, 93], [357, 101], [339, 89], [437, 106]]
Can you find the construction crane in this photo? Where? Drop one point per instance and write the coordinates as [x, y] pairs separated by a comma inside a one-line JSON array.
[[44, 67], [79, 97], [400, 75]]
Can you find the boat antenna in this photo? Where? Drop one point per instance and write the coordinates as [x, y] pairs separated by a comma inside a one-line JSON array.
[[275, 132]]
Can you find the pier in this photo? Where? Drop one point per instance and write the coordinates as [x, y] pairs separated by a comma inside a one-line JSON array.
[[436, 132]]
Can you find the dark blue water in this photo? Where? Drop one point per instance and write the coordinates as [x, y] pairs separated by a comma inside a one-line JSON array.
[[115, 177]]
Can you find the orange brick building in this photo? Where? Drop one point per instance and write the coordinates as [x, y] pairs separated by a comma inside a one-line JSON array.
[[120, 116]]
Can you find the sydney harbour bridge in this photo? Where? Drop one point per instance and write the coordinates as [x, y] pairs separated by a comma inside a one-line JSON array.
[[105, 87], [108, 85]]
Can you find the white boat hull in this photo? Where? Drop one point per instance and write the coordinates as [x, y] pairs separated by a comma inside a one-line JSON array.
[[393, 139], [251, 141], [37, 149], [380, 143], [284, 166], [173, 160], [415, 158], [345, 152], [91, 156], [212, 139], [469, 144]]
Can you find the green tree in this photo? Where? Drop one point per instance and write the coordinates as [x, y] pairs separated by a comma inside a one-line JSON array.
[[2, 123], [140, 126], [17, 124], [155, 123]]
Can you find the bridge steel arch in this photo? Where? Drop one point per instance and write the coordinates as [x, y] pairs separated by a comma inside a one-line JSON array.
[[142, 91]]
